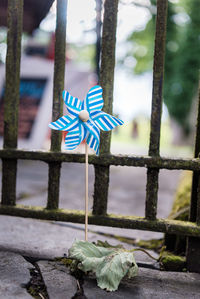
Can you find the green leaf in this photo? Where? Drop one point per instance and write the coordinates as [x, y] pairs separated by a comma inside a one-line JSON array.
[[109, 264]]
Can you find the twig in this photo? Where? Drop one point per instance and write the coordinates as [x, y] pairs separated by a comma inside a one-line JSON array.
[[78, 284], [143, 250], [86, 192], [41, 296]]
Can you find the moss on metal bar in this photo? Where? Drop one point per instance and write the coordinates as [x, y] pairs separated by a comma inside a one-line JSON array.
[[9, 171], [152, 191], [158, 73], [195, 196], [106, 81], [130, 222], [100, 192], [198, 203], [53, 185], [105, 160], [171, 262], [59, 70], [108, 64], [11, 100], [193, 249], [156, 110], [59, 74]]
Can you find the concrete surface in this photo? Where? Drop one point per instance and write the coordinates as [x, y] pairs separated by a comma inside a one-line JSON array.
[[126, 190], [149, 284], [47, 239], [59, 283], [14, 275], [50, 239]]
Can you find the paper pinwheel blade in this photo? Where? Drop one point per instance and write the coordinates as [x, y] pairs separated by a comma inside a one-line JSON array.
[[85, 119]]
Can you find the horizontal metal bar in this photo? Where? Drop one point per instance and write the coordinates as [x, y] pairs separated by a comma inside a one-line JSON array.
[[130, 222], [105, 160]]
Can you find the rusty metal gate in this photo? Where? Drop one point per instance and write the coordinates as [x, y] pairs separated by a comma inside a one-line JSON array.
[[54, 158]]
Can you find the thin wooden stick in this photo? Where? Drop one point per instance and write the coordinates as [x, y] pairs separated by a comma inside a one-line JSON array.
[[86, 192]]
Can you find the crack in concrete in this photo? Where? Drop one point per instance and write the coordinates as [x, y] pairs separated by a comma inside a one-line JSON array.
[[79, 276], [36, 286]]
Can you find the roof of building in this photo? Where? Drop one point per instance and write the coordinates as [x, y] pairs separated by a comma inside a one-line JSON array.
[[34, 12]]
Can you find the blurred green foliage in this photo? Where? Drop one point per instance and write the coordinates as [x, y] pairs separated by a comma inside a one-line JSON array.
[[82, 54], [183, 63], [182, 60], [123, 140], [142, 49]]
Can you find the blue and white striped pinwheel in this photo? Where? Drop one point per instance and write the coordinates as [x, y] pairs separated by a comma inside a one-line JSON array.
[[85, 120]]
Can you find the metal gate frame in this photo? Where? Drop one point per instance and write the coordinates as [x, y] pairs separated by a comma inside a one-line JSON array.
[[54, 158]]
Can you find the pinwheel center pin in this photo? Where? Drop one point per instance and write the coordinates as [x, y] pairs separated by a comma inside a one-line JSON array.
[[84, 115]]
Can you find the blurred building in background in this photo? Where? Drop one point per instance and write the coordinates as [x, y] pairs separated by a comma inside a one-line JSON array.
[[36, 85], [133, 72]]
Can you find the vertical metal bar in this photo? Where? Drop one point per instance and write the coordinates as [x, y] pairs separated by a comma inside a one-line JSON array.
[[193, 244], [59, 74], [198, 203], [53, 185], [101, 190], [151, 193], [11, 101], [106, 81], [108, 63], [156, 112], [158, 73], [196, 175]]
